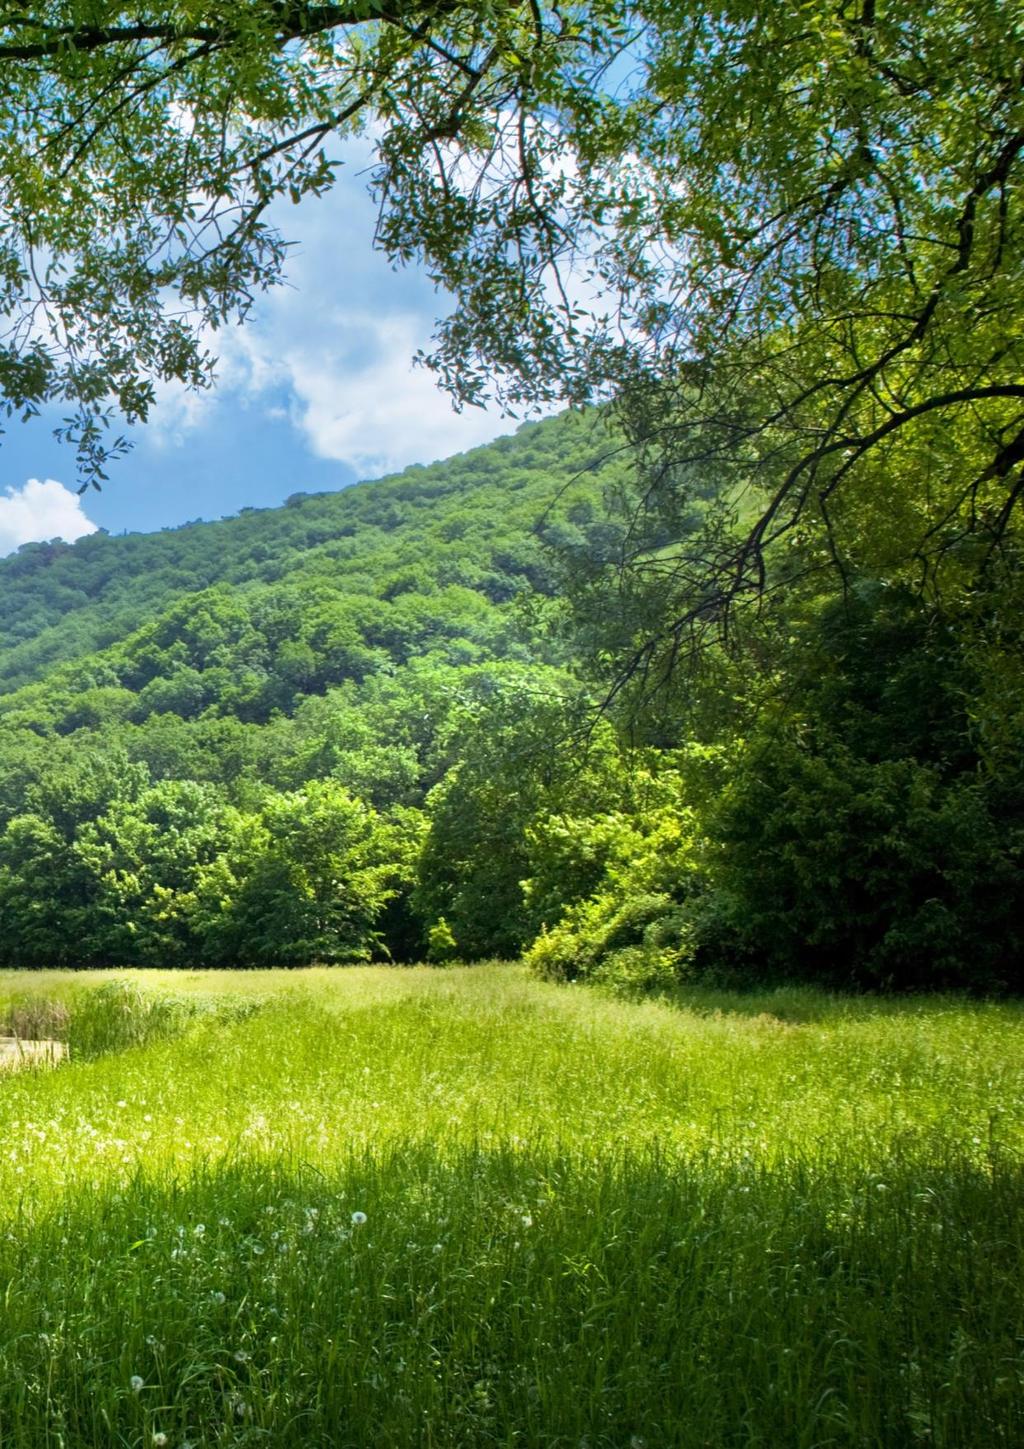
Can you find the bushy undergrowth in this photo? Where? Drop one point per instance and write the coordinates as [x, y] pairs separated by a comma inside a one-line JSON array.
[[634, 931], [877, 873], [464, 1208], [864, 829]]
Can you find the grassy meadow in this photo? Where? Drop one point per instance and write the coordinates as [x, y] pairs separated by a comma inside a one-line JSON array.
[[380, 1207]]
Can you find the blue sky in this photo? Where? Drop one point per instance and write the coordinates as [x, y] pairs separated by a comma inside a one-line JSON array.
[[314, 392]]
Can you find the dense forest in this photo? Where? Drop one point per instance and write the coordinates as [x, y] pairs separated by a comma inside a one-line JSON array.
[[377, 725], [227, 742]]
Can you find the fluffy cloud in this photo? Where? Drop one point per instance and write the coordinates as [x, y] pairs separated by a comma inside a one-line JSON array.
[[332, 349], [364, 404], [39, 511]]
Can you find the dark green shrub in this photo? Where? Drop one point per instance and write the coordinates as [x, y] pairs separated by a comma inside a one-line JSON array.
[[869, 873]]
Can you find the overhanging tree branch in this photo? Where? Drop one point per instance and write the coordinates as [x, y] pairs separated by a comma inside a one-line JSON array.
[[285, 21]]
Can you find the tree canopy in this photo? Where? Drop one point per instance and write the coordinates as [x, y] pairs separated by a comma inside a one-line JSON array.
[[141, 147], [786, 238]]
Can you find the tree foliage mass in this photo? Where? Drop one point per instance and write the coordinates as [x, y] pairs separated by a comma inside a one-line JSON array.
[[366, 726]]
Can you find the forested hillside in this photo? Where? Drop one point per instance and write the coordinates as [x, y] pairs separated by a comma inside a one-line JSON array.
[[368, 725], [471, 523], [206, 730], [736, 690]]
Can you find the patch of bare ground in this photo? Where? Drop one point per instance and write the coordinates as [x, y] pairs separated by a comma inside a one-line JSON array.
[[16, 1053]]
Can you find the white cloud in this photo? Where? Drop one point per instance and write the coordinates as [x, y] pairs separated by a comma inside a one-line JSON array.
[[367, 406], [178, 411], [332, 349], [41, 511]]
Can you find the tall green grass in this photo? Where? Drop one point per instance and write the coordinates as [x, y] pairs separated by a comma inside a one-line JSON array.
[[103, 1015], [787, 1220]]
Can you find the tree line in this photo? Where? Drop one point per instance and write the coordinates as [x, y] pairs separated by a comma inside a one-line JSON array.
[[321, 762]]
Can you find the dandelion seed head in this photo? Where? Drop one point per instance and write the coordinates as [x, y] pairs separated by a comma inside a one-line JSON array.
[[358, 1219], [138, 1383]]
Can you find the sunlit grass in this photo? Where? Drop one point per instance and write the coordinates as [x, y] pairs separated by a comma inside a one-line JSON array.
[[778, 1220]]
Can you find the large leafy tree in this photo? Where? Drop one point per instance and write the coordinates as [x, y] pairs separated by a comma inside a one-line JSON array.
[[518, 761], [142, 145], [788, 238], [306, 880], [824, 273]]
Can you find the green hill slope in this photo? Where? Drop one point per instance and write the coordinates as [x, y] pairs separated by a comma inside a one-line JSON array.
[[468, 523], [219, 743], [353, 728]]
